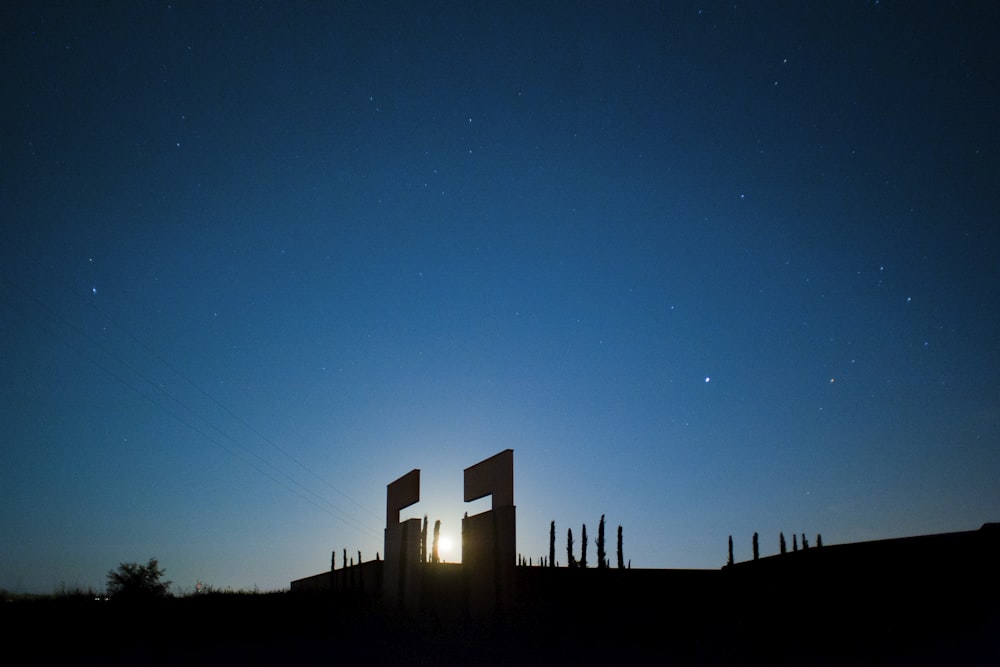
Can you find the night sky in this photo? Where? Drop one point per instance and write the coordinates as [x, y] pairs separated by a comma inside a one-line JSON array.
[[707, 268]]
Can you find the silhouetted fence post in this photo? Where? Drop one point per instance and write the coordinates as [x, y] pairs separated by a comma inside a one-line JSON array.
[[361, 573], [570, 558], [583, 547], [805, 542], [435, 555], [756, 547], [729, 561], [795, 542], [819, 540], [781, 543]]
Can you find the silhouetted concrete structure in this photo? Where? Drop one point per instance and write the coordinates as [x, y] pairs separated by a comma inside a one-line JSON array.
[[905, 596], [401, 572], [489, 549]]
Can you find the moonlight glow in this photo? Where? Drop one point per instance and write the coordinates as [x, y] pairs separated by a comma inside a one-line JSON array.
[[444, 545], [569, 275]]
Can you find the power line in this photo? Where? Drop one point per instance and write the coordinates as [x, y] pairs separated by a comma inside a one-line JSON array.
[[329, 508], [149, 350]]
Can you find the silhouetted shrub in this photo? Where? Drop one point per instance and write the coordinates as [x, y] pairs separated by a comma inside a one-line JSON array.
[[552, 544], [601, 556], [132, 581], [819, 540], [795, 542], [781, 543], [583, 547], [621, 556], [729, 561], [423, 541], [570, 558]]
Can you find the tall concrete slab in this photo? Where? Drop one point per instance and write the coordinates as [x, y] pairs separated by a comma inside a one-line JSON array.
[[489, 549], [400, 574]]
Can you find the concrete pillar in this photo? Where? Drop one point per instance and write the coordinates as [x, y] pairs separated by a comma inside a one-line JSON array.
[[400, 573], [489, 549]]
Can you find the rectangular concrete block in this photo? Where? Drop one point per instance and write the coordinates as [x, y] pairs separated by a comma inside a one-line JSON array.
[[401, 494], [493, 476], [401, 570], [488, 560]]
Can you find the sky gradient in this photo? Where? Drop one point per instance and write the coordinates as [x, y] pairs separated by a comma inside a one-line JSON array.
[[707, 268]]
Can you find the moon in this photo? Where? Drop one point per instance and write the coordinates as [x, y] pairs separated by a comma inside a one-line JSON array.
[[444, 544]]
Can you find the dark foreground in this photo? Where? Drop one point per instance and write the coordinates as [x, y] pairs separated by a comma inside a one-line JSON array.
[[791, 628], [927, 600]]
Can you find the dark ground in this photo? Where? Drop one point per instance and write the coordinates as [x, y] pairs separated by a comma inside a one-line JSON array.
[[927, 600], [282, 628]]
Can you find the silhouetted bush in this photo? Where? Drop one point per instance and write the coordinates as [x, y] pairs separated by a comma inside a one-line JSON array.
[[621, 556], [601, 556], [729, 561], [570, 558], [435, 556], [552, 544], [583, 547], [781, 543], [132, 581], [423, 541]]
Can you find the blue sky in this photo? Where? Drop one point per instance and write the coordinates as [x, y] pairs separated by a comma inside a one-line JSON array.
[[707, 269]]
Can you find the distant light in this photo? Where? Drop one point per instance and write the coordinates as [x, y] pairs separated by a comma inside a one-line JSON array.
[[708, 379], [444, 544], [93, 290]]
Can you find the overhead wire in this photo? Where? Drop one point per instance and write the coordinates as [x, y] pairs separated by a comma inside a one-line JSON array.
[[153, 353], [326, 506]]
